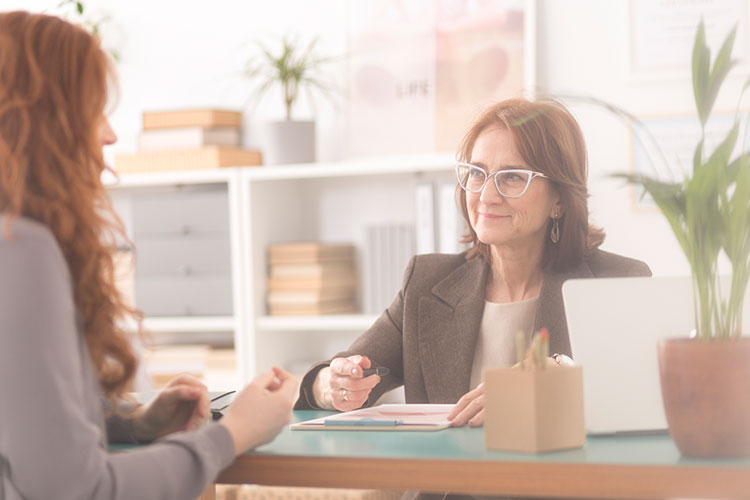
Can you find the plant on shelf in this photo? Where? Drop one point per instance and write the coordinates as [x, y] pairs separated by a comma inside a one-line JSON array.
[[75, 11], [706, 380], [294, 67]]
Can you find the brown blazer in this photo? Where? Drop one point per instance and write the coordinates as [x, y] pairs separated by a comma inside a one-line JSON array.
[[428, 335]]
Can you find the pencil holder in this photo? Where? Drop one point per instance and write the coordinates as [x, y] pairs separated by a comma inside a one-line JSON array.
[[534, 410]]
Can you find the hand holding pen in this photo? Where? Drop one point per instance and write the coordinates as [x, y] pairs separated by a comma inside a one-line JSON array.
[[346, 384]]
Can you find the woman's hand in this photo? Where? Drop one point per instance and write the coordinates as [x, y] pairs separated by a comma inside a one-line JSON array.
[[261, 410], [182, 405], [469, 409], [340, 386]]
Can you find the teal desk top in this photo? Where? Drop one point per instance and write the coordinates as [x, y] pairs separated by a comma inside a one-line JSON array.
[[468, 444], [455, 459]]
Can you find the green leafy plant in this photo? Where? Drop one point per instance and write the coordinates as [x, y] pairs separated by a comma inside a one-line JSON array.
[[709, 212], [294, 67], [75, 11]]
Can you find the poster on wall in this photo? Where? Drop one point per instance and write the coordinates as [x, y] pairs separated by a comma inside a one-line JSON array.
[[662, 33], [420, 71]]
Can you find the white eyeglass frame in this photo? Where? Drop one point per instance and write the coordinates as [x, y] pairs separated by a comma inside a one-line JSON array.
[[531, 176]]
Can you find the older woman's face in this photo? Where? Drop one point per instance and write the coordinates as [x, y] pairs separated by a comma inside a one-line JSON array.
[[508, 222]]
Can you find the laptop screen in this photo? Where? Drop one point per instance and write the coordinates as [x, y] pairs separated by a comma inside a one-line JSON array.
[[614, 326]]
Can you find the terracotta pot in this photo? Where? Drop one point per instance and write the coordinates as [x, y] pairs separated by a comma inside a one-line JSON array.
[[706, 391]]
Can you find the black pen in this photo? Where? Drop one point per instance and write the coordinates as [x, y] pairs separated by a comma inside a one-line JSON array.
[[380, 371]]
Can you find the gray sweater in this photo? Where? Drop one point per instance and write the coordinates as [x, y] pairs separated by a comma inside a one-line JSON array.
[[53, 430]]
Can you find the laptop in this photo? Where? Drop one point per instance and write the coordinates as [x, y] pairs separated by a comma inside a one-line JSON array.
[[614, 326]]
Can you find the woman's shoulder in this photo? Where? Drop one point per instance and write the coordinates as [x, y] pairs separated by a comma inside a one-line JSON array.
[[24, 230], [428, 270], [27, 243], [441, 264], [611, 265]]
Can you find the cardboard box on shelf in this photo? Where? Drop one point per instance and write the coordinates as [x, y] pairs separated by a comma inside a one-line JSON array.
[[192, 118], [207, 157], [165, 139]]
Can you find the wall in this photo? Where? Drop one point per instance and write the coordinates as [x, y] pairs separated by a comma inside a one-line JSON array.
[[176, 54], [583, 50], [184, 53]]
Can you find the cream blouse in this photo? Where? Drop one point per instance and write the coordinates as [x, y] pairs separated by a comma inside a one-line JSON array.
[[497, 333]]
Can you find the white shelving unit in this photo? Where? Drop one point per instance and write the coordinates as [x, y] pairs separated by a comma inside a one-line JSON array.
[[330, 202]]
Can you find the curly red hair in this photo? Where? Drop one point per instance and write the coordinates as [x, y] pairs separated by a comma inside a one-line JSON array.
[[54, 83]]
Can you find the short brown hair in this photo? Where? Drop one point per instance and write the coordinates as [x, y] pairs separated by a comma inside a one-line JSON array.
[[550, 141]]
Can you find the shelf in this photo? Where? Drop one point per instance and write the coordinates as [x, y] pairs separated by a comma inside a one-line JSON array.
[[187, 324], [332, 322], [174, 178], [441, 162]]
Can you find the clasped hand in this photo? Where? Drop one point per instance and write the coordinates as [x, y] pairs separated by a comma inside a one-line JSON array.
[[341, 385], [183, 404]]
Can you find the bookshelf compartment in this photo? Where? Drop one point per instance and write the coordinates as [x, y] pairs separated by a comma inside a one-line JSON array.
[[251, 208]]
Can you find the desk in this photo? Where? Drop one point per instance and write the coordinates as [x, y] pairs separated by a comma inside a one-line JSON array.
[[455, 460]]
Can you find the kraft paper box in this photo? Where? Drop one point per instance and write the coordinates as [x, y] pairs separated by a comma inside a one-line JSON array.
[[534, 410]]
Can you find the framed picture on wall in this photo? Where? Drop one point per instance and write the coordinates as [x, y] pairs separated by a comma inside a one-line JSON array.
[[662, 32], [420, 71], [663, 147]]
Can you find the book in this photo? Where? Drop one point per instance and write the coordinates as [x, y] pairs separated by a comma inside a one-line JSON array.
[[165, 139], [451, 222], [387, 250], [308, 297], [333, 307], [309, 252], [425, 218], [312, 270], [187, 159], [346, 282], [385, 417], [192, 118]]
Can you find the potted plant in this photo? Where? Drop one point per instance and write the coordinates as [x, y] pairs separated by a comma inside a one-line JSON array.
[[706, 379], [293, 67], [76, 11]]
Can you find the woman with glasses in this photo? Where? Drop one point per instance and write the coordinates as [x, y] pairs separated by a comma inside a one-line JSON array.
[[65, 361], [522, 191]]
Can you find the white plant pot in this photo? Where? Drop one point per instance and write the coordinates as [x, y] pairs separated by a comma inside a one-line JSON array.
[[290, 142]]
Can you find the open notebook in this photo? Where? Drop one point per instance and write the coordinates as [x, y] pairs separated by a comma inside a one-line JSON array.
[[386, 417]]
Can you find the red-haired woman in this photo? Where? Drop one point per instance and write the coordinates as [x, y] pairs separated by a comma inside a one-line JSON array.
[[64, 360]]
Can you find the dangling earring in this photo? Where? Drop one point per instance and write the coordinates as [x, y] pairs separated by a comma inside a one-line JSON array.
[[554, 235]]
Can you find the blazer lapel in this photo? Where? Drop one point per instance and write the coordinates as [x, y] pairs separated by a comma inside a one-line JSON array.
[[551, 311], [448, 325]]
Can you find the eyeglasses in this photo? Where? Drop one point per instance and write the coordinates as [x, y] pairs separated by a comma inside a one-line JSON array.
[[511, 183]]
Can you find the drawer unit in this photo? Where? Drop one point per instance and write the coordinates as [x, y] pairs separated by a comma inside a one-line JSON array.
[[181, 210], [183, 261], [206, 295], [188, 255]]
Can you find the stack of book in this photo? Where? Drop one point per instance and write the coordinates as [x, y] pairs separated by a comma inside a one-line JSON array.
[[189, 140], [311, 278]]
